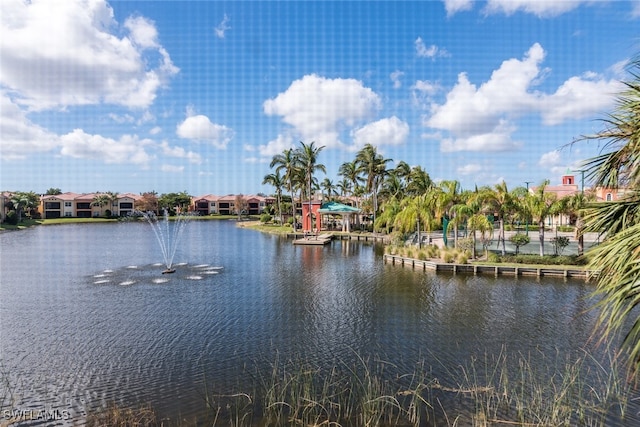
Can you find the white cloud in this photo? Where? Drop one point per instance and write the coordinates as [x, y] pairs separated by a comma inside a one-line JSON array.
[[423, 92], [273, 147], [222, 27], [319, 108], [426, 87], [128, 149], [635, 9], [62, 53], [578, 97], [256, 160], [121, 118], [432, 51], [180, 152], [454, 6], [495, 139], [540, 8], [469, 169], [171, 168], [200, 129], [20, 136], [482, 118], [395, 78], [552, 158], [143, 32], [155, 130], [389, 131]]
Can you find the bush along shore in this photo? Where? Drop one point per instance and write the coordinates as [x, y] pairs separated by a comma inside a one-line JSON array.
[[451, 260]]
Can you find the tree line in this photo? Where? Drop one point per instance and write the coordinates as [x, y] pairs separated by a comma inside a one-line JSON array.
[[404, 199]]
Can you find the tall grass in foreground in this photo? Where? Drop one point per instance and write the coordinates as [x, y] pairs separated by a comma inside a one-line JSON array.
[[490, 391], [515, 390]]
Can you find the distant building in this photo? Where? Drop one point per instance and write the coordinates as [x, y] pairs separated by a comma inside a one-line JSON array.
[[210, 204], [76, 205]]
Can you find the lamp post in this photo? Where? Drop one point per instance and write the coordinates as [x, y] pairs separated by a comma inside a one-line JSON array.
[[527, 225], [582, 171]]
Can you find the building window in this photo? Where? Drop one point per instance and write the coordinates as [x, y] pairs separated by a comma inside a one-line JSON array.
[[609, 197], [67, 214], [67, 204], [213, 204]]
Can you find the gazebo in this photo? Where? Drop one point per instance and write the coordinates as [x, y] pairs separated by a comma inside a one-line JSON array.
[[335, 208]]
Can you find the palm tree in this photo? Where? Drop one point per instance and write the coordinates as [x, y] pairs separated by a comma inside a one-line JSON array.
[[392, 186], [101, 200], [308, 160], [344, 186], [23, 202], [349, 171], [374, 167], [447, 197], [499, 200], [276, 180], [329, 187], [390, 210], [418, 181], [575, 206], [287, 161], [414, 212], [541, 205], [479, 222], [617, 257]]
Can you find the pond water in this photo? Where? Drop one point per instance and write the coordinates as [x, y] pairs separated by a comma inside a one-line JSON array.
[[87, 318]]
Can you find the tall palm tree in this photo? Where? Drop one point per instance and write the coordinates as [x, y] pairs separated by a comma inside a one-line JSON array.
[[374, 167], [287, 162], [541, 205], [329, 188], [500, 201], [418, 181], [344, 186], [349, 171], [390, 210], [447, 197], [276, 180], [308, 161], [415, 213], [618, 256], [392, 186]]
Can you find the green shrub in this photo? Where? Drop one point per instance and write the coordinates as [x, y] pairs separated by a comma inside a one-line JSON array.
[[546, 260], [11, 218], [559, 243], [448, 257], [493, 257], [422, 256], [265, 217], [466, 244], [518, 240], [566, 228], [462, 259], [409, 253]]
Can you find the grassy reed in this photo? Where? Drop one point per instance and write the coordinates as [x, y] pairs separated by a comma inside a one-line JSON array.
[[512, 390]]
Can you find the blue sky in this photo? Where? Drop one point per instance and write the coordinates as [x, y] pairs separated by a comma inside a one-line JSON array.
[[134, 96]]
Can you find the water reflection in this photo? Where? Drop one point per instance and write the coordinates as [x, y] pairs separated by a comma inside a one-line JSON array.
[[74, 338]]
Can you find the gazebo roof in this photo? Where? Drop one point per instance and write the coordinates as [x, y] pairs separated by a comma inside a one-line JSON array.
[[337, 208]]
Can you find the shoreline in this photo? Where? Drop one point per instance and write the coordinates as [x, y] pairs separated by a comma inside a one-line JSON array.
[[495, 269]]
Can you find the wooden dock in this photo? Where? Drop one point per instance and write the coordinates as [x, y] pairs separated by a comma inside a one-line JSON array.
[[494, 270], [320, 240]]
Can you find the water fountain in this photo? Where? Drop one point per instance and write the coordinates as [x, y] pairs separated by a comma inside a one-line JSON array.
[[168, 237]]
